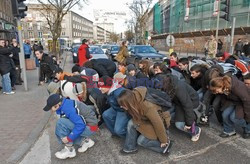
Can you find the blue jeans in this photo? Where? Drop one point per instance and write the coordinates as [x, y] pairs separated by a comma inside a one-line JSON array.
[[200, 93], [172, 112], [6, 83], [181, 125], [229, 121], [132, 140], [116, 122], [64, 127]]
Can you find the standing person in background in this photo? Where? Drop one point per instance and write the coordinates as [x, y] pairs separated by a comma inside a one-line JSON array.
[[212, 47], [15, 51], [27, 49], [220, 44], [246, 49], [5, 67], [238, 47], [122, 55], [83, 53]]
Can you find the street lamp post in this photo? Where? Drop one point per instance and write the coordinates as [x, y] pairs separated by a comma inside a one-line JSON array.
[[218, 21]]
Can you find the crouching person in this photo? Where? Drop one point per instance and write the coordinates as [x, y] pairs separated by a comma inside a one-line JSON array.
[[115, 118], [77, 122], [149, 123]]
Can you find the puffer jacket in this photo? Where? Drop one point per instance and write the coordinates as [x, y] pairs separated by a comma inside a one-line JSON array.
[[122, 55]]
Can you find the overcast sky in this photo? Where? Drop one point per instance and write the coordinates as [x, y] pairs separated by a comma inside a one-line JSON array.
[[113, 5]]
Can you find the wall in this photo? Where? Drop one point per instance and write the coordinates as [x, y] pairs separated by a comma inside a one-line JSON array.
[[194, 44]]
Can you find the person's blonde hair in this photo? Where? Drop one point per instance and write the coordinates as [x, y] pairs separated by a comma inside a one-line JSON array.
[[221, 82]]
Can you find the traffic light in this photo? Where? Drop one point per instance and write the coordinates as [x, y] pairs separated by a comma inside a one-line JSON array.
[[225, 9], [19, 8]]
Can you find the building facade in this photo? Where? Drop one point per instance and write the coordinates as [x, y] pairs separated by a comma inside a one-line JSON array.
[[7, 24], [192, 33], [75, 28], [34, 25]]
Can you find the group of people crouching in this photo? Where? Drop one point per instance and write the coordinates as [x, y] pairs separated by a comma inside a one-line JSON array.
[[139, 102]]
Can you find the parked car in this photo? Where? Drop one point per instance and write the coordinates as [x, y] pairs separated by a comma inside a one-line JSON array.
[[74, 51], [97, 53], [105, 47], [112, 51], [139, 52]]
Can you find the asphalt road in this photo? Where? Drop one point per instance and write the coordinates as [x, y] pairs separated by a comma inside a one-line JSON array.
[[209, 149]]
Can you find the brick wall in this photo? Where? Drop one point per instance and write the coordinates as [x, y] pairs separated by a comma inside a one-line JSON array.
[[194, 44]]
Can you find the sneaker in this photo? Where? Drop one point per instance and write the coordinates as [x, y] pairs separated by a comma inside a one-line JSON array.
[[246, 135], [10, 93], [87, 143], [125, 152], [226, 135], [66, 152], [197, 136], [168, 147]]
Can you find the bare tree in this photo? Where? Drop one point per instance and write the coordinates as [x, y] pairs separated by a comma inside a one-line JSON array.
[[129, 35], [54, 11], [114, 37], [139, 8]]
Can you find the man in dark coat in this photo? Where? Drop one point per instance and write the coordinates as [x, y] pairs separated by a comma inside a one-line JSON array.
[[47, 66], [15, 52], [239, 47], [104, 67], [246, 49], [5, 67]]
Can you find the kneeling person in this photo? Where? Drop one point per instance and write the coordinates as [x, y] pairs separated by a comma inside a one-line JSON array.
[[77, 122]]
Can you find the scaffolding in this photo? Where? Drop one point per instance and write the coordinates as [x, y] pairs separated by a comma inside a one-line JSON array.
[[200, 16]]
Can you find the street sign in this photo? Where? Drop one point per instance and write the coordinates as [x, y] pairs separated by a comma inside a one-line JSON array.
[[170, 40]]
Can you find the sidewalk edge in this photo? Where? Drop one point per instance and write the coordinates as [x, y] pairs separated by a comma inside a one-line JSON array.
[[33, 136]]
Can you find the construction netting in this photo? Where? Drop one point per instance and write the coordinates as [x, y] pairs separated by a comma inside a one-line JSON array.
[[200, 16]]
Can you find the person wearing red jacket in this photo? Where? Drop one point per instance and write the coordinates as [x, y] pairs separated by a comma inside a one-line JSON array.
[[83, 53]]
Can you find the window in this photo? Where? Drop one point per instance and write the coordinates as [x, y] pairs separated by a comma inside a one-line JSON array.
[[30, 34], [30, 26], [40, 34], [39, 26]]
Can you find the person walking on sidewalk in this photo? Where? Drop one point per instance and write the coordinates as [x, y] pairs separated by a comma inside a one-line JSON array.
[[123, 54], [5, 67], [212, 47], [238, 47], [83, 53], [76, 124], [47, 67], [27, 49]]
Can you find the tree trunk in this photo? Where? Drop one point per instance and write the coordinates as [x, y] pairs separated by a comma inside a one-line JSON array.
[[54, 48]]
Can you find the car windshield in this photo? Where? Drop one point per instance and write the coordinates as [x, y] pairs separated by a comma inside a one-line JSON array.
[[115, 48], [105, 47], [145, 49], [96, 50], [75, 49]]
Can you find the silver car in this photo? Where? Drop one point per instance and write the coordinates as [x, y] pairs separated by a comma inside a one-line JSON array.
[[97, 53]]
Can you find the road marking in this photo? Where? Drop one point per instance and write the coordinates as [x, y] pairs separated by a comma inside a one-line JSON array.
[[35, 155]]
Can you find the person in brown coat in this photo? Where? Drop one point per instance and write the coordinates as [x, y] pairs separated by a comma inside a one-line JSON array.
[[149, 123], [238, 112], [122, 55]]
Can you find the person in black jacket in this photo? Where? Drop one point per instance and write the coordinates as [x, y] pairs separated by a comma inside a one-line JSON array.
[[104, 67], [47, 67], [246, 49], [5, 67], [15, 51], [186, 102]]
